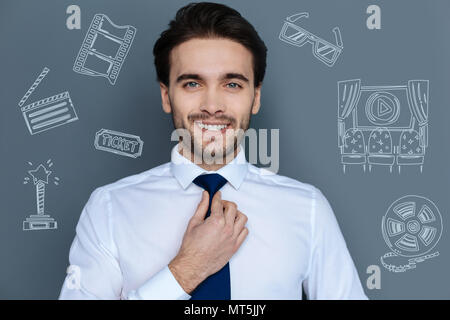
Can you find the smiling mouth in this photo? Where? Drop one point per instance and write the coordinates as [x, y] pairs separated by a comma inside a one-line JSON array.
[[218, 127]]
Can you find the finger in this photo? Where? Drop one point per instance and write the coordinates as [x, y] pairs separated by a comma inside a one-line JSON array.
[[216, 204], [239, 223], [230, 212], [241, 237], [202, 208]]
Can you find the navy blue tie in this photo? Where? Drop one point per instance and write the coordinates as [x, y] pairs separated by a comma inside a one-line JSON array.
[[217, 285]]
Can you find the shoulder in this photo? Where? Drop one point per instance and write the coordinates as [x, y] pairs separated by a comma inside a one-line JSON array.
[[277, 181], [97, 215], [127, 183], [303, 198]]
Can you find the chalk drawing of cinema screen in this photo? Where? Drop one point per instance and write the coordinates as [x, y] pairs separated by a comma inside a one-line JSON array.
[[383, 126]]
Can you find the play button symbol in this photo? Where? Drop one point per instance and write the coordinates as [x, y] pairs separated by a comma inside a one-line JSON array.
[[382, 108]]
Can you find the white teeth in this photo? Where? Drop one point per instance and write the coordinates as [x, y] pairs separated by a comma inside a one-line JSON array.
[[212, 127]]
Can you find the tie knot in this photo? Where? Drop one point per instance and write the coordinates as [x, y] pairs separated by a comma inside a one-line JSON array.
[[211, 182]]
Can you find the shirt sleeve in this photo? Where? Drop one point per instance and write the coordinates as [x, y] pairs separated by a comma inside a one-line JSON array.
[[332, 274], [162, 286], [93, 254], [94, 264]]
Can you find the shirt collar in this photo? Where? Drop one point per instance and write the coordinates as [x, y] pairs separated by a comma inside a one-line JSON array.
[[185, 171]]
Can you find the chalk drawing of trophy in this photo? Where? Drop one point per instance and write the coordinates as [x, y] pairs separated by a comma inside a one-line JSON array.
[[41, 220]]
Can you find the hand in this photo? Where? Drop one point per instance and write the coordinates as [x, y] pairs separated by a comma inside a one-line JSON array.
[[208, 244]]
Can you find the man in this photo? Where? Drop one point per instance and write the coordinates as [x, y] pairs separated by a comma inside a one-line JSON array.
[[169, 232]]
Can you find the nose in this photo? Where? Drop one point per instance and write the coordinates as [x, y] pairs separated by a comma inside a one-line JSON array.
[[212, 102]]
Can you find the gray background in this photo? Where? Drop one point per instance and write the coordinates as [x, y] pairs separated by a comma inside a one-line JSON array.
[[299, 97]]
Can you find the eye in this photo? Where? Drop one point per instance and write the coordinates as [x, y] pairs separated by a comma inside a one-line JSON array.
[[188, 84], [234, 85]]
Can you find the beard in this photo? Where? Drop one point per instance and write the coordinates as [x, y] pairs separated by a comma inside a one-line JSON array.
[[217, 148]]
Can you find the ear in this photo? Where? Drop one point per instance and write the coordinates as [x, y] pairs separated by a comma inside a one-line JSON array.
[[165, 98], [257, 100]]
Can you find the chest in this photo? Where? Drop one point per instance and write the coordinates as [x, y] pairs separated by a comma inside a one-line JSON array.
[[271, 262]]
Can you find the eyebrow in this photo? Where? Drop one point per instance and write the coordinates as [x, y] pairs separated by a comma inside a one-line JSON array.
[[195, 76]]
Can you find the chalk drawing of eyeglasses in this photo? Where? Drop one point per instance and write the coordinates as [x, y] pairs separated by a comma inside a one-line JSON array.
[[323, 50]]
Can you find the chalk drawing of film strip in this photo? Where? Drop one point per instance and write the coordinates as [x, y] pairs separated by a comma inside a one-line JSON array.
[[49, 112], [104, 48]]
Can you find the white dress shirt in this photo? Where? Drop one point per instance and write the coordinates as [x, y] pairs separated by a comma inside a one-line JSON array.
[[131, 229]]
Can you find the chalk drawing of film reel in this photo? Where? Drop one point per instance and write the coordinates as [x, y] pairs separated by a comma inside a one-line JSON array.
[[411, 227]]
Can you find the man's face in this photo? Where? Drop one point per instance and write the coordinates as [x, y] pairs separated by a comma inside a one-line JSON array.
[[211, 93]]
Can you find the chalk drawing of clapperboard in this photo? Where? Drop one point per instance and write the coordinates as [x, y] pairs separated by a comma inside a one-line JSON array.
[[47, 113], [104, 48]]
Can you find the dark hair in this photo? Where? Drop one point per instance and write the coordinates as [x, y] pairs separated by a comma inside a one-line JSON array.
[[208, 20]]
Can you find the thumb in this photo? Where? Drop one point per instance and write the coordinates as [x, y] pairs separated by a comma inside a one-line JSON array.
[[202, 208]]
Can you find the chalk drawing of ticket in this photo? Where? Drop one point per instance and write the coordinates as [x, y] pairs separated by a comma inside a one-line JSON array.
[[119, 143], [104, 48], [49, 113]]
